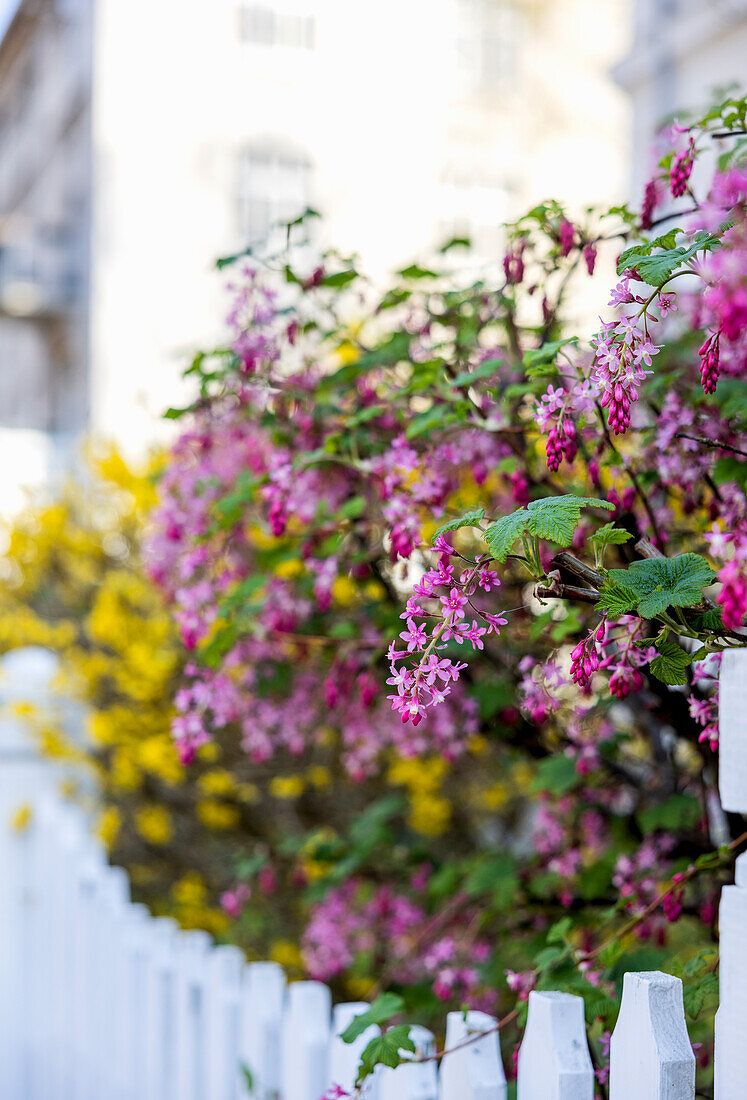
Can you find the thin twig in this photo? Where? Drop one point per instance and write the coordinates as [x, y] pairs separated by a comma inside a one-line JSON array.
[[712, 443]]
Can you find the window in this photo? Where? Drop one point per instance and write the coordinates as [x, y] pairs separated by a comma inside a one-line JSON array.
[[487, 44], [266, 26], [274, 185]]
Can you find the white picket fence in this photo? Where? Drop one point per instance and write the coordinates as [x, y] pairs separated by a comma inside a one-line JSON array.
[[101, 1001]]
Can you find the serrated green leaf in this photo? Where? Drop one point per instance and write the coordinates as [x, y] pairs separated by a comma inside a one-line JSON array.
[[670, 665], [469, 519], [383, 1008], [666, 582], [552, 518], [609, 535], [656, 269], [556, 518], [709, 620], [502, 534], [616, 599], [385, 1050]]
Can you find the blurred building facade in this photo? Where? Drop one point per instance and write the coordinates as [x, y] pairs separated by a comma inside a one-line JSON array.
[[140, 139], [684, 53], [45, 196]]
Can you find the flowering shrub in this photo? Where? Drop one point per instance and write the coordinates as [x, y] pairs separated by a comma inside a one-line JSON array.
[[429, 536]]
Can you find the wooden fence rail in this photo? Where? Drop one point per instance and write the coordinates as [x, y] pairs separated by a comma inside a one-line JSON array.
[[99, 1000]]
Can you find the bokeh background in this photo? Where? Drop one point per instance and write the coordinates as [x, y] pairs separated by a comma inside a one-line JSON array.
[[139, 140]]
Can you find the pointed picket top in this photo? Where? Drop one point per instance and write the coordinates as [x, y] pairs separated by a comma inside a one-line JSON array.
[[554, 1059], [650, 1054], [344, 1058], [732, 778], [472, 1068], [305, 1040], [413, 1080]]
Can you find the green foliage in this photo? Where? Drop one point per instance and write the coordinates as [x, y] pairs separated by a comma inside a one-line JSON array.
[[671, 663], [469, 519], [658, 268], [385, 1050], [539, 361], [659, 583], [609, 535], [382, 1009], [556, 774], [552, 518], [681, 811]]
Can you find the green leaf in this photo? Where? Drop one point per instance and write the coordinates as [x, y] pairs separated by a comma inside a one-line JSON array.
[[455, 242], [556, 518], [616, 599], [727, 469], [415, 271], [502, 534], [383, 1008], [656, 269], [339, 278], [385, 1050], [660, 583], [537, 360], [469, 519], [609, 535], [434, 417], [248, 1076], [696, 993], [485, 370], [497, 875], [556, 774], [680, 811], [671, 663], [559, 930], [553, 518], [709, 620], [352, 508]]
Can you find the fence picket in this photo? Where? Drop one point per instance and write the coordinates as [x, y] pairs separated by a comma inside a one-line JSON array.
[[554, 1059], [412, 1080], [226, 967], [731, 1021], [305, 1040], [98, 998], [160, 996], [474, 1070], [192, 961], [262, 1021], [650, 1054], [344, 1058]]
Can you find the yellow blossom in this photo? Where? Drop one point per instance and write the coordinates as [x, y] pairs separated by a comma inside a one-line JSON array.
[[154, 824], [218, 815], [21, 818], [286, 954], [287, 786], [319, 776], [108, 824]]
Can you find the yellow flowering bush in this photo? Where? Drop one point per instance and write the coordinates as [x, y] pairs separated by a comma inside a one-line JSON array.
[[242, 848]]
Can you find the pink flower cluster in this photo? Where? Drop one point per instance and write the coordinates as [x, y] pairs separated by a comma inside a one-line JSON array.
[[350, 922], [422, 676], [622, 351]]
